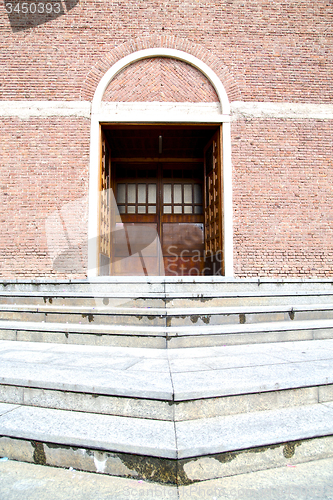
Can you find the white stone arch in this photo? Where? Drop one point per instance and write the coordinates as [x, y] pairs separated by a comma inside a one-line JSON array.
[[175, 113]]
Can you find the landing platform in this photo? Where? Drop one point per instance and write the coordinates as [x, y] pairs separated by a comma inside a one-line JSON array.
[[185, 414]]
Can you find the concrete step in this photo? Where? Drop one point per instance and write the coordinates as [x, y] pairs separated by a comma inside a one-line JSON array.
[[167, 284], [168, 452], [174, 380], [175, 385], [311, 480], [175, 300], [164, 316], [167, 292], [243, 298], [197, 335], [220, 298], [173, 416]]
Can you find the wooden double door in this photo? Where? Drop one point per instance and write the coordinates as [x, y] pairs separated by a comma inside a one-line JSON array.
[[161, 217]]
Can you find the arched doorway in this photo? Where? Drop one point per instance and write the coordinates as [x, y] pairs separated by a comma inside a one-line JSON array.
[[177, 190]]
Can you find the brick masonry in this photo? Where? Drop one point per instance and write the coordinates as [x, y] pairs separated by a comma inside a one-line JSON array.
[[262, 51], [43, 167], [163, 80], [283, 221]]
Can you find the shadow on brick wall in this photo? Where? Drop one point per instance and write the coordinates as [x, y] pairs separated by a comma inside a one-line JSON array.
[[27, 14]]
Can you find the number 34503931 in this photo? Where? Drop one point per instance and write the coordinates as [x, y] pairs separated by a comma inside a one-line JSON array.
[[33, 8]]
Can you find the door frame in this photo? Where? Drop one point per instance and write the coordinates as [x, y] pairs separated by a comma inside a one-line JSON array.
[[159, 217], [164, 114]]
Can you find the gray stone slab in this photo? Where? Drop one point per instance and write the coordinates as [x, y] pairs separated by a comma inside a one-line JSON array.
[[325, 393], [305, 346], [92, 339], [17, 346], [116, 340], [222, 339], [31, 482], [158, 366], [214, 383], [130, 320], [274, 350], [194, 352], [106, 381], [253, 328], [75, 358], [329, 405], [244, 403], [105, 432], [189, 364], [11, 394], [322, 333], [6, 408], [7, 334], [237, 432], [305, 481], [92, 403], [288, 454], [221, 362], [200, 308], [248, 299], [308, 355], [80, 328], [111, 351], [233, 361], [29, 356]]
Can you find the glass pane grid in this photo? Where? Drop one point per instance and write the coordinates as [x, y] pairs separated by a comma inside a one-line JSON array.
[[183, 198], [136, 198]]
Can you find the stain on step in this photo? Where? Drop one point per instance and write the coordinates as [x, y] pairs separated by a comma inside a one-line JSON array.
[[195, 318], [242, 319], [90, 317], [289, 449], [39, 453]]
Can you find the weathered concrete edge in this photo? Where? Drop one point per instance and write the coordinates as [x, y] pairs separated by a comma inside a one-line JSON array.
[[168, 471]]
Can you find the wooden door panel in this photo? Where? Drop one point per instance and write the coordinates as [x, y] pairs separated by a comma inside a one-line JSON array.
[[171, 204], [105, 210], [183, 245], [136, 249], [213, 206]]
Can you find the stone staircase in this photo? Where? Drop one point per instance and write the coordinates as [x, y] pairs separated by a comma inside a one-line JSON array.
[[166, 313], [171, 380]]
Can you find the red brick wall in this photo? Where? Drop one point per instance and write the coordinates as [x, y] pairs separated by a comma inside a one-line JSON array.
[[44, 165], [279, 50], [261, 50], [283, 178]]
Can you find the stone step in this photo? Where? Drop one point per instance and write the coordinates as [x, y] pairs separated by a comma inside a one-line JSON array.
[[179, 385], [163, 316], [173, 416], [250, 299], [178, 453], [117, 298], [167, 284], [167, 291], [161, 337]]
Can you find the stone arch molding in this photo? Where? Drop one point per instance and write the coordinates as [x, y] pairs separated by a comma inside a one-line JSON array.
[[98, 116], [161, 52]]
